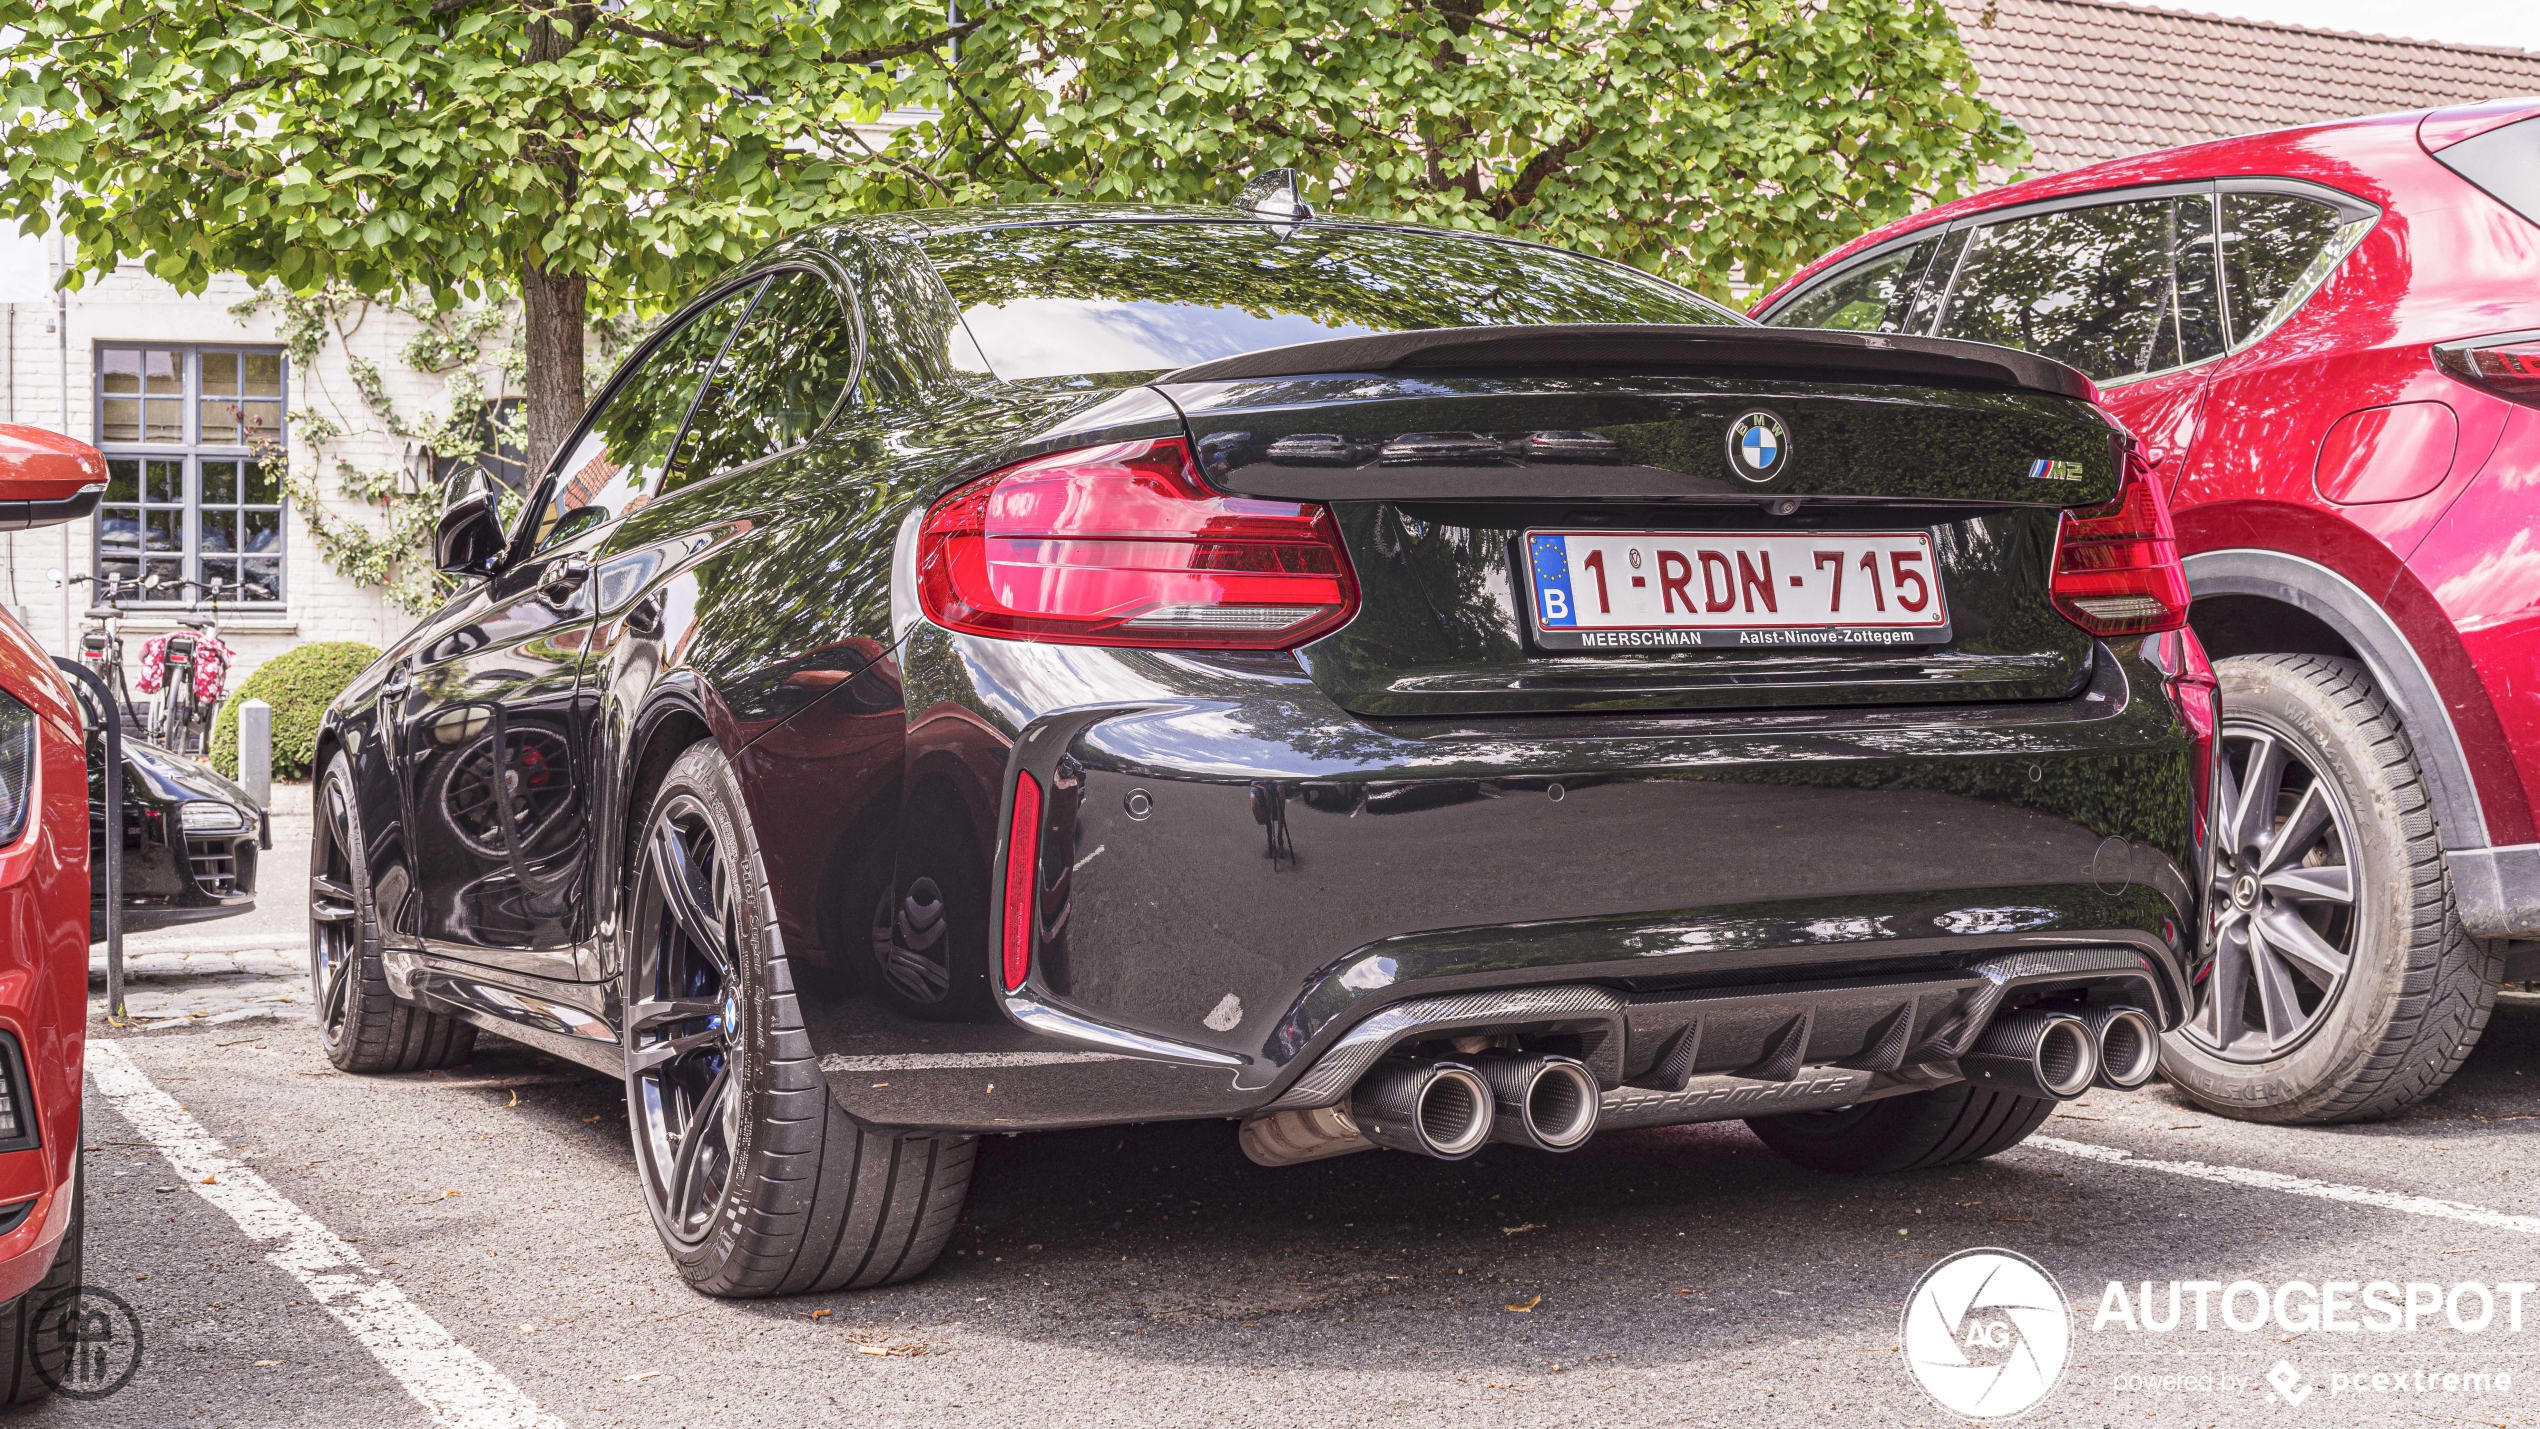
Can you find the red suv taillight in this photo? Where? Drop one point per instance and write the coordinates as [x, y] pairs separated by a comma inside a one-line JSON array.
[[1125, 545], [2507, 365], [2116, 564]]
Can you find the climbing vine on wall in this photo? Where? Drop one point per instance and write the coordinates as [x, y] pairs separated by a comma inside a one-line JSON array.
[[475, 353], [470, 349]]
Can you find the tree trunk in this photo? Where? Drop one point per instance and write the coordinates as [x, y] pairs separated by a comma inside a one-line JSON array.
[[552, 310]]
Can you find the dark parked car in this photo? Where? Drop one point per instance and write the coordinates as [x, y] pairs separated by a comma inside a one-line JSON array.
[[2328, 340], [190, 838], [990, 671]]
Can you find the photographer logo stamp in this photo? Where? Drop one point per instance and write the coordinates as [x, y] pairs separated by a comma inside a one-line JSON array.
[[87, 1342], [1987, 1333]]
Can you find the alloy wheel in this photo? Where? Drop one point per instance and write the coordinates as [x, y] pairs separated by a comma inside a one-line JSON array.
[[683, 1023], [335, 937], [2283, 916]]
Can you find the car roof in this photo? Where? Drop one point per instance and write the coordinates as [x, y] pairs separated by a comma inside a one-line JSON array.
[[2332, 152], [918, 225]]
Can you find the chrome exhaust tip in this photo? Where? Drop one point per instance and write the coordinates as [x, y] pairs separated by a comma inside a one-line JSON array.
[[1439, 1109], [2035, 1054], [2129, 1045], [1548, 1103]]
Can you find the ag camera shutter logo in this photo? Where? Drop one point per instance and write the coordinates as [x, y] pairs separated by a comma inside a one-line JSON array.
[[1987, 1333]]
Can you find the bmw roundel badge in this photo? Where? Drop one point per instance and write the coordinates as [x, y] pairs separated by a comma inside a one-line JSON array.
[[1759, 446]]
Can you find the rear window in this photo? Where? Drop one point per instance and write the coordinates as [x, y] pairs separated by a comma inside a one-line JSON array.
[[1083, 299]]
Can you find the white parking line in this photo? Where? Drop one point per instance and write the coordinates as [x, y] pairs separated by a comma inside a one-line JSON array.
[[2296, 1186], [447, 1378]]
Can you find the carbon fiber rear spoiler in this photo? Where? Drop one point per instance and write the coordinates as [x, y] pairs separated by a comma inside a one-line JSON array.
[[1877, 357]]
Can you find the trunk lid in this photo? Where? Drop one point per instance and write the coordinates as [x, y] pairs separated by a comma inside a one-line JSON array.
[[1438, 468]]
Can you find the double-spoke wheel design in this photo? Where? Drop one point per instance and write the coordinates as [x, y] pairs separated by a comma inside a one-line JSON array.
[[365, 1026], [758, 1183], [335, 940], [2282, 898], [684, 1031]]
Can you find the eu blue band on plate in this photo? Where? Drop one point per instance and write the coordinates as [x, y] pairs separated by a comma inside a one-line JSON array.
[[1553, 605]]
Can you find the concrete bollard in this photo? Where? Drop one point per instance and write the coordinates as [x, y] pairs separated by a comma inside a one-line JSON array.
[[255, 751]]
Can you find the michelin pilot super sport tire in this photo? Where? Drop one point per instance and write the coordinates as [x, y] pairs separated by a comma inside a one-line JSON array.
[[757, 1182], [1913, 1132], [362, 1025]]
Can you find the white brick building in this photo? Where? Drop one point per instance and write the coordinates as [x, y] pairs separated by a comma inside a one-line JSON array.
[[178, 391]]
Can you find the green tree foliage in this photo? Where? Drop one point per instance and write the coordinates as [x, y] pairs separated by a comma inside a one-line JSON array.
[[299, 683], [583, 154], [1692, 140]]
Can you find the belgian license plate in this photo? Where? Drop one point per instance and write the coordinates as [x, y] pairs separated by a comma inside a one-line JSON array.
[[1660, 590]]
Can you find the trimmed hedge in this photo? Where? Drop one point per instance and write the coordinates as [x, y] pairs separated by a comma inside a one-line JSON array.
[[299, 683]]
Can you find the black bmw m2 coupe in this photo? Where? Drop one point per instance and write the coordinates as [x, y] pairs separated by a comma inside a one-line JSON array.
[[982, 671]]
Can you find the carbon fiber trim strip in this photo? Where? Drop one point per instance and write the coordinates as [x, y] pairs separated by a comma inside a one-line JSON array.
[[1333, 1076]]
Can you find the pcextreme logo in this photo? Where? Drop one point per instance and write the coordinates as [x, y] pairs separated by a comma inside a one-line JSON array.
[[1987, 1333]]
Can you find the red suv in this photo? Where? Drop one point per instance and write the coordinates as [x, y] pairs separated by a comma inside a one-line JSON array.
[[44, 835], [2327, 342]]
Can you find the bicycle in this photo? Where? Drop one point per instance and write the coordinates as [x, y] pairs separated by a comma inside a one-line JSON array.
[[181, 663], [101, 638]]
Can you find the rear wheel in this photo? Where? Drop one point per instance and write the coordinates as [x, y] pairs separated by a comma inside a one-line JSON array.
[[2339, 984], [22, 1340], [757, 1182], [1913, 1132], [363, 1025]]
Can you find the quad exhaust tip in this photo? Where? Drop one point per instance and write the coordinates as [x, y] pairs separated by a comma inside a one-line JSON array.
[[2129, 1045], [2035, 1054], [1439, 1109], [1548, 1103]]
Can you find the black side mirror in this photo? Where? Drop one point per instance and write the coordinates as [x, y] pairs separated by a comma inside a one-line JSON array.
[[469, 539]]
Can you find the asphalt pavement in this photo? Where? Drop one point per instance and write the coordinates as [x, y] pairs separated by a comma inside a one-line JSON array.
[[303, 1247]]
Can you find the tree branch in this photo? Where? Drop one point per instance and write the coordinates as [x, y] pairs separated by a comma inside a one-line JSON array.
[[695, 45]]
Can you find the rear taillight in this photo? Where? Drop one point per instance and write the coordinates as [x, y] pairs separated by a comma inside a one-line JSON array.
[[2198, 696], [1022, 874], [1125, 545], [2116, 564], [2507, 365]]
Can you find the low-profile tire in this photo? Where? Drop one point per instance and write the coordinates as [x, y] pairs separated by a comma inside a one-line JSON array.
[[1914, 1132], [362, 1024], [758, 1184], [2338, 983], [21, 1338]]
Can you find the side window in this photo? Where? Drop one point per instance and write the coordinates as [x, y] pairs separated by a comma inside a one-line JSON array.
[[2087, 286], [2276, 249], [627, 442], [2199, 296], [1867, 297], [778, 383]]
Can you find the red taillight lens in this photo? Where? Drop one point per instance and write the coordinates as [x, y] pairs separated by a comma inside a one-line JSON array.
[[2507, 366], [2116, 564], [1125, 545], [1022, 873]]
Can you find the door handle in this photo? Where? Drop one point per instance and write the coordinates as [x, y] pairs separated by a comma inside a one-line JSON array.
[[564, 583]]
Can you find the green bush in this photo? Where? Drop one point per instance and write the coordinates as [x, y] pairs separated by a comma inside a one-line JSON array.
[[299, 683]]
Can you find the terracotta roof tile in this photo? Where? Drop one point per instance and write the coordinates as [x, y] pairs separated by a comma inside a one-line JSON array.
[[2091, 80]]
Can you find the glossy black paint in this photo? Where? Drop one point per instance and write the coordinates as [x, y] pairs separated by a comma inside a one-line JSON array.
[[170, 876], [1245, 855]]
